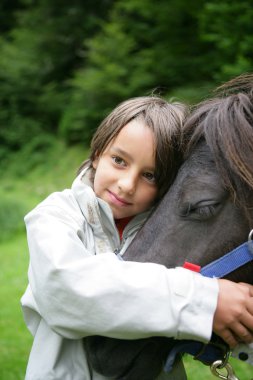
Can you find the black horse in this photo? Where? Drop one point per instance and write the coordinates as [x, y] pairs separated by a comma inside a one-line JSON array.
[[207, 212]]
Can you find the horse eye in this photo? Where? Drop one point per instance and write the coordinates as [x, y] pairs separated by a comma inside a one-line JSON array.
[[201, 211], [206, 211]]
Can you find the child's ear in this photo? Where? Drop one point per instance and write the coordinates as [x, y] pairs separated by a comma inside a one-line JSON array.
[[95, 161]]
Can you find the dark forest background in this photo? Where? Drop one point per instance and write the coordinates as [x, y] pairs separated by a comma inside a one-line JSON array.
[[65, 64]]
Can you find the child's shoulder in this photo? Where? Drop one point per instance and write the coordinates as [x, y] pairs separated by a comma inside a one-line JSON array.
[[61, 203]]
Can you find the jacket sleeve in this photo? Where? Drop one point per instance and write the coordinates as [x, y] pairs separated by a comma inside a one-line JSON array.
[[78, 293]]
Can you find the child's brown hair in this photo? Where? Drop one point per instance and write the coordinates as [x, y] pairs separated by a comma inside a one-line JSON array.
[[163, 118]]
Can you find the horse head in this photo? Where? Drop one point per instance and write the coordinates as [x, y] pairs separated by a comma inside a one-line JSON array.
[[208, 210]]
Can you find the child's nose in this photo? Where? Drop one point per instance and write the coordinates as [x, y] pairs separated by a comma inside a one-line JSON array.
[[128, 183]]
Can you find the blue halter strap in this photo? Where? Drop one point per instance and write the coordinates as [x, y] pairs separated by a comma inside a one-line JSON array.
[[216, 349], [231, 261]]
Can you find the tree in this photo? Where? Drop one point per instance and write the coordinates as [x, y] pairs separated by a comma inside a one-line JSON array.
[[38, 55], [227, 28], [143, 46]]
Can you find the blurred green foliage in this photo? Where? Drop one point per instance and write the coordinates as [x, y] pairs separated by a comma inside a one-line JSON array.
[[11, 217], [64, 65], [42, 166]]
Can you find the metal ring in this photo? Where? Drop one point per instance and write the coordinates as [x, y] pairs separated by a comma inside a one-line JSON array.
[[230, 372], [250, 242], [214, 369]]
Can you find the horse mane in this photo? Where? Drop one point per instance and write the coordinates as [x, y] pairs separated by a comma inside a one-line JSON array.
[[225, 122]]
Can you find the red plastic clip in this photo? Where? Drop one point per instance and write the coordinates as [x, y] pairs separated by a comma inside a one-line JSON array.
[[193, 267]]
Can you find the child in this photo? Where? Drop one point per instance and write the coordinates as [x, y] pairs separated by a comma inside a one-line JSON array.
[[77, 285]]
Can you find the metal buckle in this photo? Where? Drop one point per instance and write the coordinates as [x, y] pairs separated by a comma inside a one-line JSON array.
[[250, 242]]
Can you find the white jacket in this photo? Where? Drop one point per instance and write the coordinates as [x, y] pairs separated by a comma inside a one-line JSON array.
[[78, 287]]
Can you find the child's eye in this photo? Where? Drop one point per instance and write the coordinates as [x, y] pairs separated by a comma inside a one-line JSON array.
[[150, 177], [118, 161]]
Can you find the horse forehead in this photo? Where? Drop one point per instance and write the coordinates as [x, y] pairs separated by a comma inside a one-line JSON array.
[[200, 179], [200, 157], [199, 172]]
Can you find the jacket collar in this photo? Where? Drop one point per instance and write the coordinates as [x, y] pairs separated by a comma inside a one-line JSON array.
[[99, 215]]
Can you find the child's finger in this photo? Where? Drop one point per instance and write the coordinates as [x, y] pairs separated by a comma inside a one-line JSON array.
[[244, 335], [247, 321], [228, 336], [249, 287]]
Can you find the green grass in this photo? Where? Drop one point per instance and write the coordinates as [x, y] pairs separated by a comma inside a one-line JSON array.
[[15, 341], [55, 173], [198, 371], [24, 192]]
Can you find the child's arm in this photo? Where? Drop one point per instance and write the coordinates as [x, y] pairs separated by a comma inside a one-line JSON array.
[[78, 293], [233, 318]]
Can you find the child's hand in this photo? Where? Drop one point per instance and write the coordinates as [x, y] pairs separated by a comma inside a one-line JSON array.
[[233, 318]]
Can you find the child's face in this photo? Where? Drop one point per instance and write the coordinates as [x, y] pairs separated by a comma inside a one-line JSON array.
[[124, 176]]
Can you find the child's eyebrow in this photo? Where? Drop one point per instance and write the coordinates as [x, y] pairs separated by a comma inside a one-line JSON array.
[[121, 152]]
